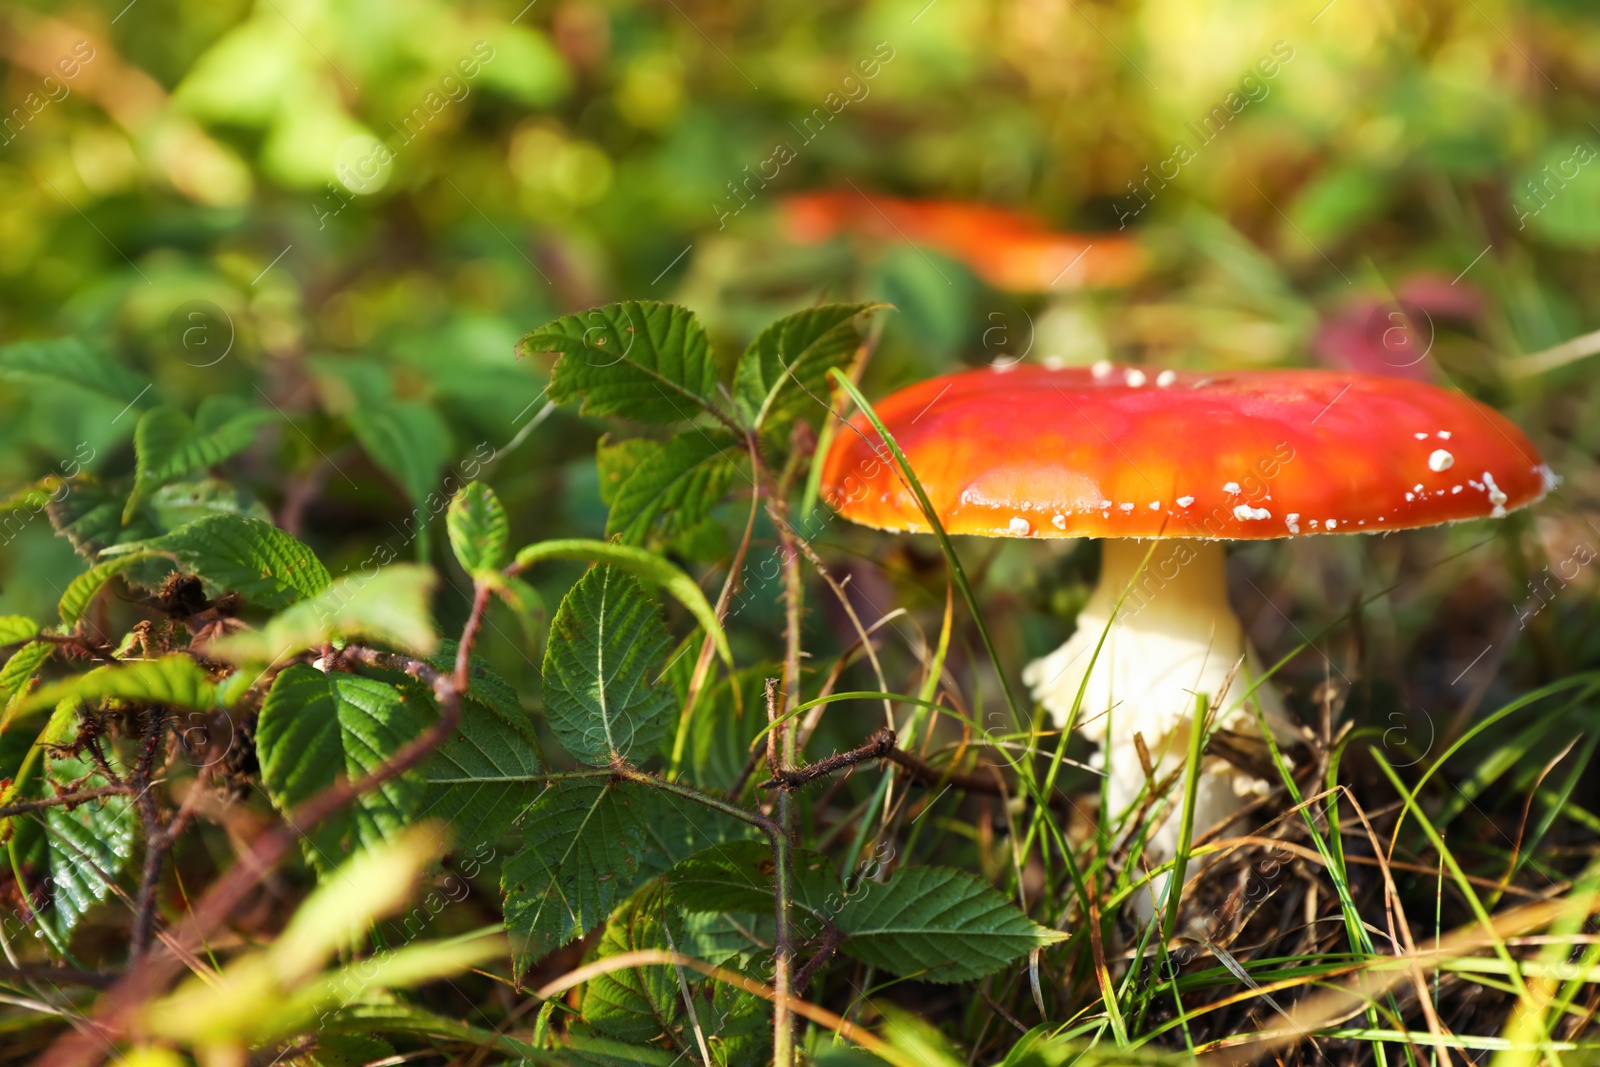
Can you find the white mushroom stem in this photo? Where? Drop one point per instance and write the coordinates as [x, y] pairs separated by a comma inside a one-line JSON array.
[[1175, 637]]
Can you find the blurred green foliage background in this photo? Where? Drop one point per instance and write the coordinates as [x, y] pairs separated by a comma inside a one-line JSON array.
[[350, 211]]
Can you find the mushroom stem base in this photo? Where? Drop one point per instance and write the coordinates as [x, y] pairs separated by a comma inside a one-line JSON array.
[[1174, 636]]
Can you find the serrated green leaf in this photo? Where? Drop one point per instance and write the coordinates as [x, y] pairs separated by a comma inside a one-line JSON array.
[[600, 691], [637, 359], [673, 487], [479, 529], [21, 667], [737, 876], [180, 503], [68, 361], [90, 845], [581, 845], [232, 553], [176, 680], [390, 607], [784, 372], [489, 771], [16, 628], [82, 589], [90, 518], [640, 1004], [937, 924], [316, 728], [167, 444], [615, 460], [637, 561]]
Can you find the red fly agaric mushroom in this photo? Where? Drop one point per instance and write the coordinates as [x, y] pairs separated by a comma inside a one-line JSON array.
[[1008, 250], [1190, 460]]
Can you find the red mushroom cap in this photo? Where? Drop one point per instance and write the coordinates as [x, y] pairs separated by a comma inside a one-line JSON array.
[[1009, 250], [1123, 452]]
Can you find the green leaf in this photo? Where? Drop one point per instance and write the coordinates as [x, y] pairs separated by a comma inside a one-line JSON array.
[[638, 359], [176, 680], [167, 445], [737, 876], [180, 503], [90, 517], [647, 565], [232, 553], [489, 771], [66, 360], [82, 589], [581, 845], [938, 925], [673, 486], [21, 667], [89, 846], [389, 607], [479, 529], [600, 698], [16, 628], [640, 1004], [317, 728], [784, 373], [409, 440], [615, 460]]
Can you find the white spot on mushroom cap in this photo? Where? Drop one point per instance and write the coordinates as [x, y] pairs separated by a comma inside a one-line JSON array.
[[1134, 377], [1440, 460], [1105, 503], [1497, 497], [1411, 496], [1292, 520], [1127, 506], [1454, 489], [1230, 487], [1155, 505], [1420, 436], [1548, 477], [1166, 378], [1020, 527], [1444, 435], [1333, 524], [1185, 501], [1059, 521], [1101, 369], [1245, 511]]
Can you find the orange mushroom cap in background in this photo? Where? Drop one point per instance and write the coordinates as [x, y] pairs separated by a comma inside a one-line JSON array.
[[1007, 249], [1126, 452]]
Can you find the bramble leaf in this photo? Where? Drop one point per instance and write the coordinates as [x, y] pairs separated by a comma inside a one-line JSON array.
[[638, 1004], [672, 486], [581, 845], [316, 728], [937, 924], [176, 680], [89, 845], [479, 529], [167, 444], [389, 607], [638, 359], [69, 361], [783, 375], [234, 553], [606, 642]]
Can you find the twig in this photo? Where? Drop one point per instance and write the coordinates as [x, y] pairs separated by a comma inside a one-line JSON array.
[[879, 746], [157, 843], [68, 800]]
